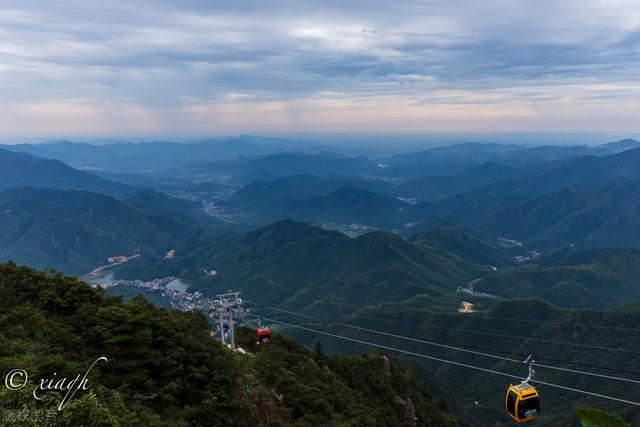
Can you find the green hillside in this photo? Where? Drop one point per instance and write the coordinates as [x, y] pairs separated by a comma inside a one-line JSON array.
[[164, 369], [593, 218], [74, 231], [467, 247], [288, 260], [597, 278], [585, 340], [350, 205], [596, 418], [275, 198]]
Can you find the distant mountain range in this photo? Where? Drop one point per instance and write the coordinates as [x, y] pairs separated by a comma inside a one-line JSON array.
[[280, 192], [162, 155], [273, 196], [20, 169], [578, 172], [566, 166], [318, 201], [351, 205], [273, 166], [75, 231], [455, 158], [158, 155], [585, 201], [436, 187], [622, 145], [214, 156], [595, 218], [504, 249], [286, 260]]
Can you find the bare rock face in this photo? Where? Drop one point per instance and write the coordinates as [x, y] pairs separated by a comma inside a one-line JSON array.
[[385, 362], [408, 411]]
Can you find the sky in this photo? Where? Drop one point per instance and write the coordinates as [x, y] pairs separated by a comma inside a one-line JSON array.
[[197, 68]]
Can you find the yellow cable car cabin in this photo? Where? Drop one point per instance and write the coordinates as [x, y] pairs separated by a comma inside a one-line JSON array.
[[522, 402]]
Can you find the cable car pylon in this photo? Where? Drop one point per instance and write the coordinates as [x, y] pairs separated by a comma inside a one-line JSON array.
[[225, 310]]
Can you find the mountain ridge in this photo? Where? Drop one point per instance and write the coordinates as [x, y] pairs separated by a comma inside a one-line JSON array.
[[21, 170]]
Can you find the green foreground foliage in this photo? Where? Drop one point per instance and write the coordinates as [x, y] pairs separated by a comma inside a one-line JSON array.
[[597, 418], [164, 369]]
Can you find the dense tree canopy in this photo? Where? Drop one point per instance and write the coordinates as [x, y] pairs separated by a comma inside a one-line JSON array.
[[164, 369]]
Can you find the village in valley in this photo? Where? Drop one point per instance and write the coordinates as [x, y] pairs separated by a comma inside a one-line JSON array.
[[170, 288]]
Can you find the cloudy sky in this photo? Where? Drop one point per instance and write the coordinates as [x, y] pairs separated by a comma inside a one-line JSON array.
[[166, 68]]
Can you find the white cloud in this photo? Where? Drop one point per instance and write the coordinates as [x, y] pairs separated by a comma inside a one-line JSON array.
[[372, 61]]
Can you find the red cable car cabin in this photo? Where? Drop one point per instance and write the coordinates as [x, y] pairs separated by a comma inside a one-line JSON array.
[[263, 335]]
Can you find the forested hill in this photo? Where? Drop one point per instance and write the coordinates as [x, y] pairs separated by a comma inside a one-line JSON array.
[[20, 169], [164, 369]]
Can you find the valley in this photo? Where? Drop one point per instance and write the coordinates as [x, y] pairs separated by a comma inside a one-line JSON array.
[[320, 214], [320, 241]]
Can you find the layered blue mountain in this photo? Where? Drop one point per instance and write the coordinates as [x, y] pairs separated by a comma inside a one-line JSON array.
[[162, 155], [578, 172], [436, 187], [20, 169], [76, 231], [595, 218], [455, 158], [134, 157], [245, 170], [283, 197], [622, 145], [246, 159]]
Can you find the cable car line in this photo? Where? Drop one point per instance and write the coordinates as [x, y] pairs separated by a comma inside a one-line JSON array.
[[595, 347], [478, 315], [466, 350], [285, 311], [610, 377], [586, 365], [608, 349], [554, 360], [442, 360]]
